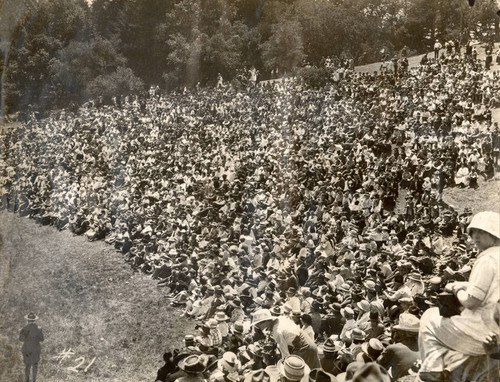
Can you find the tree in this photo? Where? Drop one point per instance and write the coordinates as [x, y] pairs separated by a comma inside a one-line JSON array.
[[205, 39], [77, 65], [36, 40], [118, 83], [285, 49]]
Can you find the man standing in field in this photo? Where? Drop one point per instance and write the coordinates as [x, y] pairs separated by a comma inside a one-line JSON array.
[[31, 335]]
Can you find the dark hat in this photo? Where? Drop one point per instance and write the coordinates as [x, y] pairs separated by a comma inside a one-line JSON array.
[[371, 372], [255, 349], [319, 375], [257, 376], [351, 369], [31, 317], [238, 327], [276, 311], [192, 364], [335, 306], [316, 305], [189, 340], [356, 290], [399, 279], [296, 313]]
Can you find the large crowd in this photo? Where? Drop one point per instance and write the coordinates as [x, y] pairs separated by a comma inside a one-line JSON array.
[[303, 228]]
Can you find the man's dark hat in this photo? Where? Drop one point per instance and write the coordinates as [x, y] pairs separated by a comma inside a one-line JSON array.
[[319, 375]]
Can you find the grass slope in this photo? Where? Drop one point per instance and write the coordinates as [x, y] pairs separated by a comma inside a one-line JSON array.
[[88, 300]]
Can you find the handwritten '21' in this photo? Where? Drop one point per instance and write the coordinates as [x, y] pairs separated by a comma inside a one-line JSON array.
[[65, 354]]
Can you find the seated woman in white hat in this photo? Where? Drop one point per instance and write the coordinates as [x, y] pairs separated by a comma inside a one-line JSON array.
[[446, 343]]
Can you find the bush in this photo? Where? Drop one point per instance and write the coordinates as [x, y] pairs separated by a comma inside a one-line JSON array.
[[315, 77], [121, 82]]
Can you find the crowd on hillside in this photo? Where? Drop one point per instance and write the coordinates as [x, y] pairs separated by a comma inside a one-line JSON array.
[[320, 207]]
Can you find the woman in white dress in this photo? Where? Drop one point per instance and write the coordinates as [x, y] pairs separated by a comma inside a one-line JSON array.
[[446, 343]]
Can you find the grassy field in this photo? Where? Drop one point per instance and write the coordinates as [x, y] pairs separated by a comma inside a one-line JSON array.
[[88, 300]]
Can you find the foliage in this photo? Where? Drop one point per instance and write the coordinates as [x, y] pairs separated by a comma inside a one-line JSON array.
[[60, 48], [118, 83], [284, 50], [315, 77]]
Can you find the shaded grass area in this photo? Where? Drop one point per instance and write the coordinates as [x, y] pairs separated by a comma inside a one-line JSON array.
[[88, 300], [485, 198]]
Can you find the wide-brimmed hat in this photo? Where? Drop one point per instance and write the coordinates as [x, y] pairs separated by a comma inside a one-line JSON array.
[[371, 372], [373, 348], [363, 305], [296, 313], [435, 280], [293, 368], [344, 288], [415, 277], [258, 376], [331, 346], [221, 316], [370, 285], [291, 290], [211, 323], [255, 349], [335, 307], [238, 327], [262, 315], [351, 369], [319, 375], [31, 317], [487, 221], [275, 311], [347, 311], [406, 300], [192, 364], [229, 362], [408, 323], [356, 334]]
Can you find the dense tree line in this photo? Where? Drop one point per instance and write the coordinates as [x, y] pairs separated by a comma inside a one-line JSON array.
[[65, 52]]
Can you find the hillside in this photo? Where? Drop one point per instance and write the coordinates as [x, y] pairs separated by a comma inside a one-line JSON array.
[[88, 299]]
